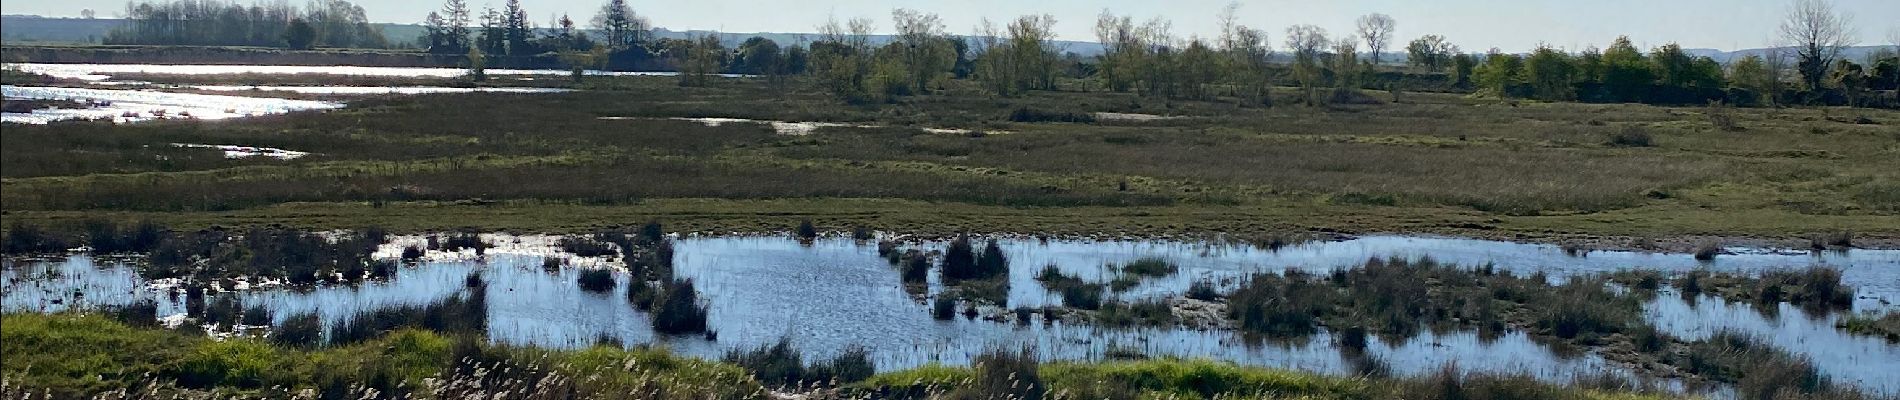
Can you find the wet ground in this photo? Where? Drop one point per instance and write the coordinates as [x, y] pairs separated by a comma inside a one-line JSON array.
[[833, 294]]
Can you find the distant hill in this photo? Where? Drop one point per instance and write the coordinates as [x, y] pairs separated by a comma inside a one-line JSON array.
[[37, 29], [1856, 53]]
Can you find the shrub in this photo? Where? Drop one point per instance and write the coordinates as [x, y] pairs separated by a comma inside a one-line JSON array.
[[1707, 250], [1027, 114], [143, 314], [678, 310], [641, 295], [596, 280], [256, 316], [1720, 118], [992, 262], [806, 231], [299, 331], [1278, 305], [223, 310], [959, 260], [1203, 290], [26, 238], [1084, 296], [411, 253], [465, 240], [943, 308], [1837, 239], [916, 267], [1632, 136], [586, 247]]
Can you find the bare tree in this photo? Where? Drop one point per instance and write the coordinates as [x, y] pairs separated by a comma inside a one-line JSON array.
[[1229, 18], [923, 46], [1376, 29], [1775, 60], [1818, 36], [1306, 40]]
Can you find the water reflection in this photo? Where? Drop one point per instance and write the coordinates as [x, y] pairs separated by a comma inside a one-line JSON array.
[[1868, 362], [833, 294], [141, 105], [100, 72]]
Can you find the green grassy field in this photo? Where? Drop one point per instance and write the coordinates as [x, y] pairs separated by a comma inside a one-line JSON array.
[[1432, 163], [73, 356]]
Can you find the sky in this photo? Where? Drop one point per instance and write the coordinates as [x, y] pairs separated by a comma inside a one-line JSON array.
[[1475, 25]]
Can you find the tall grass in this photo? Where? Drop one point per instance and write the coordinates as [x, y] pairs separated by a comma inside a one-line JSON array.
[[678, 311], [82, 356]]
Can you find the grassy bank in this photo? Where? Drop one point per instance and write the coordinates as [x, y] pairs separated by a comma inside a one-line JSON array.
[[75, 356], [1433, 163]]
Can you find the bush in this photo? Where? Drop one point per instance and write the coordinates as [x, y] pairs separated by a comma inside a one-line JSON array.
[[641, 295], [943, 308], [299, 331], [1632, 136], [1203, 290], [1837, 239], [677, 311], [142, 314], [26, 239], [916, 267], [460, 241], [1083, 296], [411, 253], [806, 231], [1706, 251], [959, 260], [256, 316], [597, 280], [992, 262], [586, 247], [1027, 114]]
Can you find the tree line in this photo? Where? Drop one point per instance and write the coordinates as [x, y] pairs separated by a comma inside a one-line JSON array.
[[320, 23], [1241, 63]]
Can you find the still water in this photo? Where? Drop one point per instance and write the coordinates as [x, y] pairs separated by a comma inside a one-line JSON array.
[[834, 294]]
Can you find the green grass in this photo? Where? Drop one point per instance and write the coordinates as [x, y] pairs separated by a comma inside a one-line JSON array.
[[1886, 325], [1434, 164], [1201, 379], [76, 355]]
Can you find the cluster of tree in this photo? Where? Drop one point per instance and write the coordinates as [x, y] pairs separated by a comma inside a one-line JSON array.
[[1147, 58], [1667, 74], [326, 23]]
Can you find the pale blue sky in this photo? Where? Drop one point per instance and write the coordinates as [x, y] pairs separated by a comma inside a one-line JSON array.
[[1513, 25]]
